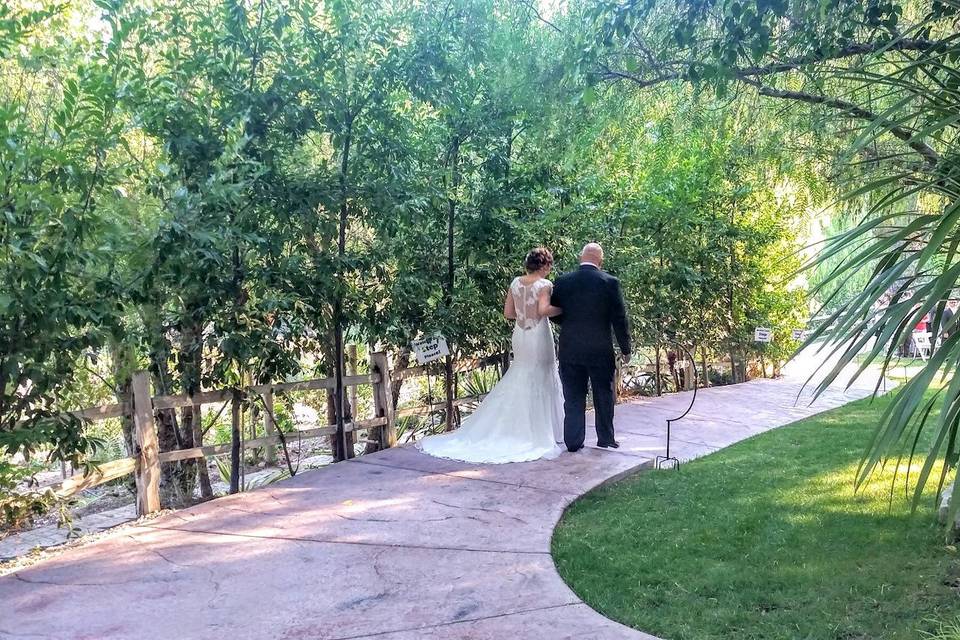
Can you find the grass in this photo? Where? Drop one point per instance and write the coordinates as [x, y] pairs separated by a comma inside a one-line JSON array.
[[949, 630], [896, 364], [765, 540]]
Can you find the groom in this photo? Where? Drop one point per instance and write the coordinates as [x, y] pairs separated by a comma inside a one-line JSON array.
[[593, 310]]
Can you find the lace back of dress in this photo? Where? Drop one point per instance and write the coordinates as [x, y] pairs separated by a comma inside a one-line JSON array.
[[525, 302]]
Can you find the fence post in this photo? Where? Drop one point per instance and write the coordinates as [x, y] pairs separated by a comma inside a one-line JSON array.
[[383, 399], [147, 474], [269, 427]]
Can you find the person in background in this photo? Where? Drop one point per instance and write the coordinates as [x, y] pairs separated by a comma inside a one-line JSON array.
[[946, 322]]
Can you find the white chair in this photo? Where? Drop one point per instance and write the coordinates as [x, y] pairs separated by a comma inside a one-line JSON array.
[[921, 344]]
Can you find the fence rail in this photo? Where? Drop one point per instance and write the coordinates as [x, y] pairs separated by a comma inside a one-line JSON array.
[[143, 407]]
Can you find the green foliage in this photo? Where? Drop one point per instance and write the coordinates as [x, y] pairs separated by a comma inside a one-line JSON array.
[[875, 90], [701, 227], [18, 507], [58, 179], [213, 190], [949, 630], [262, 480]]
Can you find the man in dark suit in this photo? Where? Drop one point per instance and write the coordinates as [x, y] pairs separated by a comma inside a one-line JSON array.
[[593, 312], [946, 322]]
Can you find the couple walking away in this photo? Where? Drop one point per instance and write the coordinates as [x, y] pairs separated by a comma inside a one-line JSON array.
[[527, 416]]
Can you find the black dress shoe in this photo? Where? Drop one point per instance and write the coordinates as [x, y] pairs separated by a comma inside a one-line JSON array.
[[574, 449], [609, 445]]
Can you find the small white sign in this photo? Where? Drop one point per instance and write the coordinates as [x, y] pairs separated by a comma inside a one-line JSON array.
[[797, 334], [763, 334], [430, 349]]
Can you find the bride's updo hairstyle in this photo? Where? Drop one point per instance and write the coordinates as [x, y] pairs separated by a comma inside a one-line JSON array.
[[537, 259]]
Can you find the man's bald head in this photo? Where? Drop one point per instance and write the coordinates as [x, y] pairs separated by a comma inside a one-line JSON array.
[[592, 253]]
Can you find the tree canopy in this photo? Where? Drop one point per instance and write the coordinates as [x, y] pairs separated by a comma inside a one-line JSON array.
[[222, 190]]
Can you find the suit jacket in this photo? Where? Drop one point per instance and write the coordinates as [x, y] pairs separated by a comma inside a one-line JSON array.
[[593, 312]]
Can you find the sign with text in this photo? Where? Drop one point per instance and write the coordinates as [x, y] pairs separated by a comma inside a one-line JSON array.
[[430, 349], [763, 334]]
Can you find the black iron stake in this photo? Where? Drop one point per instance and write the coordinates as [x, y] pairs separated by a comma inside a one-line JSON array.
[[661, 461]]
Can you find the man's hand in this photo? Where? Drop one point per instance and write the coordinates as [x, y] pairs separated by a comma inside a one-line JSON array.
[[625, 358]]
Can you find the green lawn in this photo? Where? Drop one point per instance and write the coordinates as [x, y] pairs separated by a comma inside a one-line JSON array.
[[896, 364], [765, 539]]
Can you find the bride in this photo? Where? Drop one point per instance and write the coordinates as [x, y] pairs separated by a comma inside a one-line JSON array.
[[522, 418]]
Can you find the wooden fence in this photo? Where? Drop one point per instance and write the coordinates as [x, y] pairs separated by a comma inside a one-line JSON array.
[[143, 407]]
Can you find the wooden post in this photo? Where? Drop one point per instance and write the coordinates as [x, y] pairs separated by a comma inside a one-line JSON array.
[[383, 399], [147, 473], [269, 427]]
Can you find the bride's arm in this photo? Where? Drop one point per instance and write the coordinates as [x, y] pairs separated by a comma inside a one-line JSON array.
[[509, 311], [544, 308]]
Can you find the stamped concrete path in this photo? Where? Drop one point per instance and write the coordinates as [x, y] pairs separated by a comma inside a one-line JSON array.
[[394, 546]]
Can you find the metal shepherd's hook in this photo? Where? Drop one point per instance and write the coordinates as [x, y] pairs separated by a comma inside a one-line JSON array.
[[662, 461]]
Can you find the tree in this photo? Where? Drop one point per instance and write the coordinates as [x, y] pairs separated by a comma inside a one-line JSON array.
[[882, 75], [237, 188], [59, 176]]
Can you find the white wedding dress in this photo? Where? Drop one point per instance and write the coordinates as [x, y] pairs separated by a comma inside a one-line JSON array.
[[522, 417]]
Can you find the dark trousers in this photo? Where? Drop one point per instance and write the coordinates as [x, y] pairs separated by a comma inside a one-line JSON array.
[[574, 378]]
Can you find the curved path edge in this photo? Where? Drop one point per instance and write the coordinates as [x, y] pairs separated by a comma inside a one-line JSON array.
[[394, 545]]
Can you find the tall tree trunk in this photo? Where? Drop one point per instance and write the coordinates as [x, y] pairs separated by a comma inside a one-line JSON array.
[[192, 417], [236, 451], [344, 448], [703, 362], [124, 362], [350, 436], [656, 367], [203, 473], [352, 371], [176, 483], [401, 363], [454, 160], [239, 301]]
